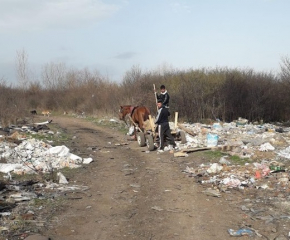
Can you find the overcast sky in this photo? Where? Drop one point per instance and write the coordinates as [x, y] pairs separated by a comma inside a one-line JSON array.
[[111, 36]]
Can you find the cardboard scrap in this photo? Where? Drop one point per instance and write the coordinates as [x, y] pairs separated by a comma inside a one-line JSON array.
[[180, 154]]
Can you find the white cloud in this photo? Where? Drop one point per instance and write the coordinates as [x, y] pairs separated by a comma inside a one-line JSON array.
[[31, 15]]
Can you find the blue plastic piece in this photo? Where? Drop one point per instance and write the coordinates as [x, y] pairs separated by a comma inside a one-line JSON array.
[[241, 232]]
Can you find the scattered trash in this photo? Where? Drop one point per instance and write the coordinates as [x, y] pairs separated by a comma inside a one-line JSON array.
[[33, 155], [23, 196], [285, 153], [214, 168], [239, 138], [258, 174], [87, 160], [217, 126], [212, 140], [224, 161], [231, 182], [157, 208], [241, 232], [131, 131], [8, 167], [263, 175], [266, 147], [241, 121], [63, 151], [113, 120], [61, 178], [263, 169]]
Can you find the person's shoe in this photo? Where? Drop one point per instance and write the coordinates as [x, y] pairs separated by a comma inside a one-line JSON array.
[[160, 150], [167, 148]]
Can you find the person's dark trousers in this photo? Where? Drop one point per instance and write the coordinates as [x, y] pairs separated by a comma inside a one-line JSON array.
[[164, 131]]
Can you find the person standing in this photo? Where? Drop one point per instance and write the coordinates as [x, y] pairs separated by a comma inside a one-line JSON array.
[[163, 126], [163, 96]]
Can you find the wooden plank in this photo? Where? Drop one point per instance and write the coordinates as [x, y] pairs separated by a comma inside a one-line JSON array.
[[151, 123], [195, 149], [186, 130], [135, 124], [155, 96], [175, 120]]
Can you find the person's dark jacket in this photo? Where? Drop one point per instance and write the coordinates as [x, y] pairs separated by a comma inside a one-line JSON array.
[[164, 97], [162, 116]]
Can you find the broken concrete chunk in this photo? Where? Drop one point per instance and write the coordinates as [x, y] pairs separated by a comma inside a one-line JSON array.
[[61, 178], [87, 160], [215, 168], [266, 147], [33, 156]]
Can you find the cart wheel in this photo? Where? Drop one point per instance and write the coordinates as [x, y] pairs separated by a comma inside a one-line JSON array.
[[182, 137], [150, 143], [141, 139]]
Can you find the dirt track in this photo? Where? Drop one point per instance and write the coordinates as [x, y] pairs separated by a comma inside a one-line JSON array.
[[137, 195]]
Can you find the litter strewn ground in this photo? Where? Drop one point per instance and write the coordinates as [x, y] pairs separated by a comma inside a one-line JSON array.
[[262, 176]]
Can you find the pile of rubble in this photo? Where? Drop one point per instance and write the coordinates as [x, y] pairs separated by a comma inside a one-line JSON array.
[[265, 147], [19, 199], [33, 155], [243, 140], [259, 186], [21, 155]]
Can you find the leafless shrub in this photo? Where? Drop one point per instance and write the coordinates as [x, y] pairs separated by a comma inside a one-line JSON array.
[[285, 70], [53, 75], [22, 68], [197, 94], [11, 105]]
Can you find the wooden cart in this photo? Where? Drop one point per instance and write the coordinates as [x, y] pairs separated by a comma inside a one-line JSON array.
[[149, 137]]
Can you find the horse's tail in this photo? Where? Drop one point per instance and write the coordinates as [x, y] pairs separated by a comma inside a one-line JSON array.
[[146, 114]]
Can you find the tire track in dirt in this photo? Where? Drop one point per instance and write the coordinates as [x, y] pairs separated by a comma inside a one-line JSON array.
[[136, 195]]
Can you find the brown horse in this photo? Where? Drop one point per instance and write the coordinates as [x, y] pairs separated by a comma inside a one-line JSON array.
[[138, 114]]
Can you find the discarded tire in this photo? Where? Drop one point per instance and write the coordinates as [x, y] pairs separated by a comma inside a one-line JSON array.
[[150, 143], [141, 139]]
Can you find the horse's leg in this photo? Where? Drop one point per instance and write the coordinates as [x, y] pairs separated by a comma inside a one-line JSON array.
[[135, 131], [141, 121]]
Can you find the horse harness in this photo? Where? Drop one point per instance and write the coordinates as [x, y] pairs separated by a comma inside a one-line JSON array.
[[132, 109]]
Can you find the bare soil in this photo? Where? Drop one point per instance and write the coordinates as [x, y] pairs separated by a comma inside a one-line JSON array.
[[137, 195]]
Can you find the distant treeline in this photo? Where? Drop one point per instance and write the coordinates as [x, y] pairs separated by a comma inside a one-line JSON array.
[[197, 94]]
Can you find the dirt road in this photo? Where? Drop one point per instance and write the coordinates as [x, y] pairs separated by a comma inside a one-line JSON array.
[[136, 195]]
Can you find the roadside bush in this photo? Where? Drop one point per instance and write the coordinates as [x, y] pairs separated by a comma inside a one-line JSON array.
[[12, 105], [197, 94]]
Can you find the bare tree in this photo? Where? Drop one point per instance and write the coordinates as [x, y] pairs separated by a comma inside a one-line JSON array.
[[129, 84], [53, 75], [285, 69], [2, 81], [22, 68]]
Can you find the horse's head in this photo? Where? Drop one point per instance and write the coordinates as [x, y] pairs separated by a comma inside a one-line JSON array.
[[123, 111]]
